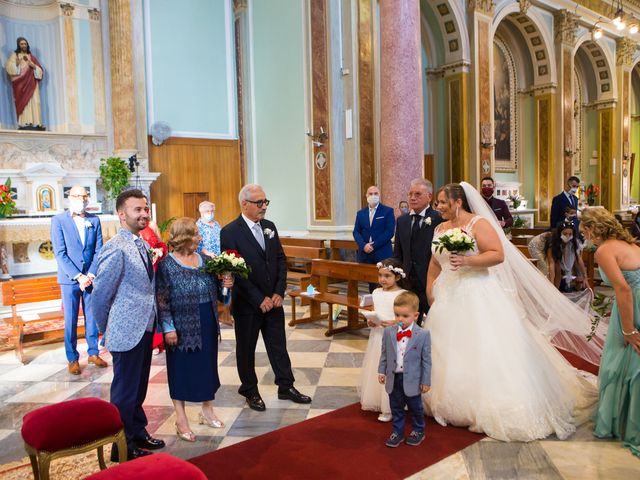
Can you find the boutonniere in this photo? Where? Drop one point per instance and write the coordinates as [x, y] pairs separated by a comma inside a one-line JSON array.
[[155, 254], [268, 233], [427, 221], [88, 224]]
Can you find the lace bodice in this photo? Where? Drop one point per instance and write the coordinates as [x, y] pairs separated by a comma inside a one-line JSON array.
[[443, 257]]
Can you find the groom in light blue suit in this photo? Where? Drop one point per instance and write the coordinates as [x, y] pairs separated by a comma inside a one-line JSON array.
[[77, 239], [124, 305]]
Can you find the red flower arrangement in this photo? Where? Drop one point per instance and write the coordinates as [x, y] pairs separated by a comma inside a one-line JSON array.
[[7, 203], [592, 192]]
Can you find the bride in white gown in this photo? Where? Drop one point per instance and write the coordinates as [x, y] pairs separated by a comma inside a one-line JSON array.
[[495, 369]]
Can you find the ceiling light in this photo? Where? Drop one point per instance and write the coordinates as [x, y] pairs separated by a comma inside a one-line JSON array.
[[596, 34], [633, 29]]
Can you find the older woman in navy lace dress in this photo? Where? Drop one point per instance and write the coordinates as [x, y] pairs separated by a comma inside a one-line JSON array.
[[187, 298]]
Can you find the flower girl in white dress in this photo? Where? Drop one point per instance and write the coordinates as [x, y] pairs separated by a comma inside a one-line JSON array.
[[373, 396]]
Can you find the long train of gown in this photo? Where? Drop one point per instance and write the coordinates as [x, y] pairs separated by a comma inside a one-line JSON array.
[[492, 371], [618, 413]]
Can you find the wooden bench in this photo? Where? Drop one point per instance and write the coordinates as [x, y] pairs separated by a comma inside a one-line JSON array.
[[336, 245], [524, 232], [321, 272], [302, 242], [20, 292], [306, 255]]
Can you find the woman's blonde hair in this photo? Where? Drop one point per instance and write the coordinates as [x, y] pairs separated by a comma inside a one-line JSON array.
[[182, 232], [604, 225]]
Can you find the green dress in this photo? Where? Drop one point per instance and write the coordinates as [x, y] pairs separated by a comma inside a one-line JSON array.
[[618, 413]]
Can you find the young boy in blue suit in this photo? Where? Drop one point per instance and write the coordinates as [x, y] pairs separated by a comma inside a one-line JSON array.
[[405, 369]]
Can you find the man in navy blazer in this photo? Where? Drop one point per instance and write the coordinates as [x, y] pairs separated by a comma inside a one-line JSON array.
[[77, 239], [567, 198], [374, 228], [414, 233], [257, 301]]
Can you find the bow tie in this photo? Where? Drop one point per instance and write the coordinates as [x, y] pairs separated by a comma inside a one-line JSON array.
[[401, 335]]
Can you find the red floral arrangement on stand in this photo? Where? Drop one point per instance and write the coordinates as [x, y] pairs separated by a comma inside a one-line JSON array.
[[7, 203], [592, 192]]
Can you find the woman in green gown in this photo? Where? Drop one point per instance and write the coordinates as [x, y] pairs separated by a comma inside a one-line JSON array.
[[618, 413]]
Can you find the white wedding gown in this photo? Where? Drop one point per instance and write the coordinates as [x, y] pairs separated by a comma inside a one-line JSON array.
[[492, 370]]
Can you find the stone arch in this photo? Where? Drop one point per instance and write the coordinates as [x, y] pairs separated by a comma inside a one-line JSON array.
[[537, 37], [453, 28], [601, 65]]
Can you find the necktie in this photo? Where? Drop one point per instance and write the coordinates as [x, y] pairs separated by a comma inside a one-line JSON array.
[[417, 220], [372, 212], [401, 335], [257, 232], [145, 256]]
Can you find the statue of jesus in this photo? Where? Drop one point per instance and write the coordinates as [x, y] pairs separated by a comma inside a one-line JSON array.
[[25, 73]]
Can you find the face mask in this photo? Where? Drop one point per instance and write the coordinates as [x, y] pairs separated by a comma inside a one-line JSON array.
[[373, 200], [77, 206], [404, 210], [566, 238], [208, 217], [573, 190], [487, 191]]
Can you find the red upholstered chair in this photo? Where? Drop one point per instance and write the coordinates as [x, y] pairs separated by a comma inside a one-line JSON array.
[[160, 466], [68, 428]]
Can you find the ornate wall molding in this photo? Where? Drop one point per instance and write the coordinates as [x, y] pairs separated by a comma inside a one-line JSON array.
[[486, 7], [524, 6], [94, 14], [512, 164], [566, 27], [67, 9], [239, 6], [625, 50]]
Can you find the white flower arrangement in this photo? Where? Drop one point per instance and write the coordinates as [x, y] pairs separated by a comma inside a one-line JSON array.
[[427, 221], [88, 224], [454, 240], [268, 233]]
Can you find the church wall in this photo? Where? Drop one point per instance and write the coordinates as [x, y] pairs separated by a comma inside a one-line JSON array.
[[190, 67], [84, 75], [590, 145], [279, 115]]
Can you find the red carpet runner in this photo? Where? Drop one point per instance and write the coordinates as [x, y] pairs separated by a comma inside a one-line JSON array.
[[345, 443]]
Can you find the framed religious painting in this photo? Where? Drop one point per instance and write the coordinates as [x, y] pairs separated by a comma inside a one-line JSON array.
[[505, 113], [45, 198]]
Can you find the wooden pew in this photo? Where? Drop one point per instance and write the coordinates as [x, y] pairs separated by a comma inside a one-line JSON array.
[[305, 255], [302, 242], [321, 272], [521, 232], [336, 245], [20, 292]]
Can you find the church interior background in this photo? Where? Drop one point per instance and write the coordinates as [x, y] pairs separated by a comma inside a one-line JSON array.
[[316, 100]]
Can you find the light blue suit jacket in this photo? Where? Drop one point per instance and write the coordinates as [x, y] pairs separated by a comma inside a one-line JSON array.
[[416, 367], [123, 296], [73, 258]]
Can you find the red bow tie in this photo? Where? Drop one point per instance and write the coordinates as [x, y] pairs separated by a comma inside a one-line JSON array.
[[401, 335]]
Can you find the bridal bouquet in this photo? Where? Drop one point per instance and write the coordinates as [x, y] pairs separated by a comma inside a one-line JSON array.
[[454, 240], [228, 263]]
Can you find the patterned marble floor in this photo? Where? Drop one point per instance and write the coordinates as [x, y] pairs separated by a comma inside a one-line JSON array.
[[325, 368]]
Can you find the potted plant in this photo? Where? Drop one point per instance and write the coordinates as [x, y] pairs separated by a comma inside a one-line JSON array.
[[114, 176], [7, 203]]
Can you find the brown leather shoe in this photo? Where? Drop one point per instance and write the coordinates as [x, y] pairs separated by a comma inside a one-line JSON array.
[[74, 368], [97, 361]]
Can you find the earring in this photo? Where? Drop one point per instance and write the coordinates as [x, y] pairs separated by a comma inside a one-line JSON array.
[[457, 211]]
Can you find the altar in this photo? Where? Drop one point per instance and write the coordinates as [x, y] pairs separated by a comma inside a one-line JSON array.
[[26, 242]]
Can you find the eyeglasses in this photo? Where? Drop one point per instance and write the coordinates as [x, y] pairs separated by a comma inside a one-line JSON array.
[[260, 203], [79, 196]]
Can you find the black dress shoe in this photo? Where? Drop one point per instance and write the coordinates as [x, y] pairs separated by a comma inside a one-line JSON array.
[[149, 442], [293, 395], [255, 402], [131, 454]]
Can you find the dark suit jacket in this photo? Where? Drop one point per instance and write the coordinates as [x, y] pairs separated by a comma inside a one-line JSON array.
[[380, 231], [74, 258], [501, 210], [402, 250], [559, 203], [268, 267]]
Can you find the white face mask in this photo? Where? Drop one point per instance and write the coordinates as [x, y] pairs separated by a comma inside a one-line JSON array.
[[373, 200], [208, 217], [573, 190], [566, 238], [77, 206]]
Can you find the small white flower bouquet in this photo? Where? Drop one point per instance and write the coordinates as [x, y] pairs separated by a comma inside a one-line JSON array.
[[454, 240], [228, 262], [156, 254], [88, 224], [268, 233]]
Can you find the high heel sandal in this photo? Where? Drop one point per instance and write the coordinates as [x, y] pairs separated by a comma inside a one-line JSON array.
[[203, 420], [186, 436]]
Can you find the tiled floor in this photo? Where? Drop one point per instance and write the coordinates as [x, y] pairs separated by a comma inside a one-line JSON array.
[[325, 368]]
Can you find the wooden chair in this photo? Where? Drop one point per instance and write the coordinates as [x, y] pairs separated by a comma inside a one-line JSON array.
[[321, 273]]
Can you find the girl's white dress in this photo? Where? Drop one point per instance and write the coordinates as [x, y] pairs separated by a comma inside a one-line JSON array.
[[492, 370], [372, 394]]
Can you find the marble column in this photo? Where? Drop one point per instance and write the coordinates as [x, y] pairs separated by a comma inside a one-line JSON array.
[[95, 26], [71, 81], [457, 131], [123, 102], [566, 27], [625, 49], [481, 136], [401, 117], [544, 141]]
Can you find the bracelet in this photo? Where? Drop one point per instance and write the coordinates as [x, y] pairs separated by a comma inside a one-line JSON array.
[[632, 332]]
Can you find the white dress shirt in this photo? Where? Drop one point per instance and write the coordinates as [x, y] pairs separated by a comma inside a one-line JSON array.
[[79, 221], [402, 349]]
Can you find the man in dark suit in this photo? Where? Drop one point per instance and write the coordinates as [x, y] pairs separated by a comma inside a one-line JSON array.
[[257, 301], [77, 239], [566, 198], [498, 206], [373, 230], [414, 233]]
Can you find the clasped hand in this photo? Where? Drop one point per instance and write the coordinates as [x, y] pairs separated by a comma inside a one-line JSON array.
[[84, 281], [457, 261], [275, 301]]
